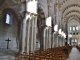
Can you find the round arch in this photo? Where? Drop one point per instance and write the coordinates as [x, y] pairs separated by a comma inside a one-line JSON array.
[[72, 5], [72, 11], [9, 10], [73, 16]]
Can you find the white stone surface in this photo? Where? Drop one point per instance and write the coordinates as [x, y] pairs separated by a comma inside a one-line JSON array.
[[74, 55]]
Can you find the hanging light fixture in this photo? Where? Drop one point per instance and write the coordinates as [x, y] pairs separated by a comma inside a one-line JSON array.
[[63, 34], [56, 28], [48, 22], [59, 32], [32, 7]]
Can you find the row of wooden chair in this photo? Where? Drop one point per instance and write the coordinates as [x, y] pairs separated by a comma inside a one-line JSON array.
[[78, 47], [49, 54]]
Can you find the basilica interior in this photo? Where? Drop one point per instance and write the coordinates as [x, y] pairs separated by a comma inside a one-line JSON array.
[[39, 29]]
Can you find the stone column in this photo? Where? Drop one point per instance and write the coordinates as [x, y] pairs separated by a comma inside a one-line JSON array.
[[57, 18], [47, 43], [69, 41], [72, 39], [44, 39], [63, 42], [60, 41], [23, 27], [57, 41], [32, 36], [28, 35], [35, 30], [23, 36], [53, 41], [49, 37]]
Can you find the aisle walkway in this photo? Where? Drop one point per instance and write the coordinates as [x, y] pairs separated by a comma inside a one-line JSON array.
[[74, 55]]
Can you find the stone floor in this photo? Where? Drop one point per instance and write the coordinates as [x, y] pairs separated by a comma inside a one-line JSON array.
[[74, 55], [7, 54]]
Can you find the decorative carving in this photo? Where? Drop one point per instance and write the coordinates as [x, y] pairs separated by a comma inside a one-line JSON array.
[[72, 12], [73, 5]]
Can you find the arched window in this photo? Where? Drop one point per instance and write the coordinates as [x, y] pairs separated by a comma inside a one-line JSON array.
[[8, 18], [77, 28], [70, 28], [73, 28]]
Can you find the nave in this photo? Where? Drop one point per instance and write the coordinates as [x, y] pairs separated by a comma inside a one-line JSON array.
[[47, 27], [74, 54]]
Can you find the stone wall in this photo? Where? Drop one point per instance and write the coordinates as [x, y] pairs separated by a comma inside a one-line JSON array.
[[8, 31]]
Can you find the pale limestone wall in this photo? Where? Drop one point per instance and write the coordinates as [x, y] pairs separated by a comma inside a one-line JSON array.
[[8, 31], [74, 22]]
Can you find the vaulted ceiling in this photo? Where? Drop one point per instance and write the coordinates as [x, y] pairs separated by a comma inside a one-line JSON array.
[[70, 8]]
